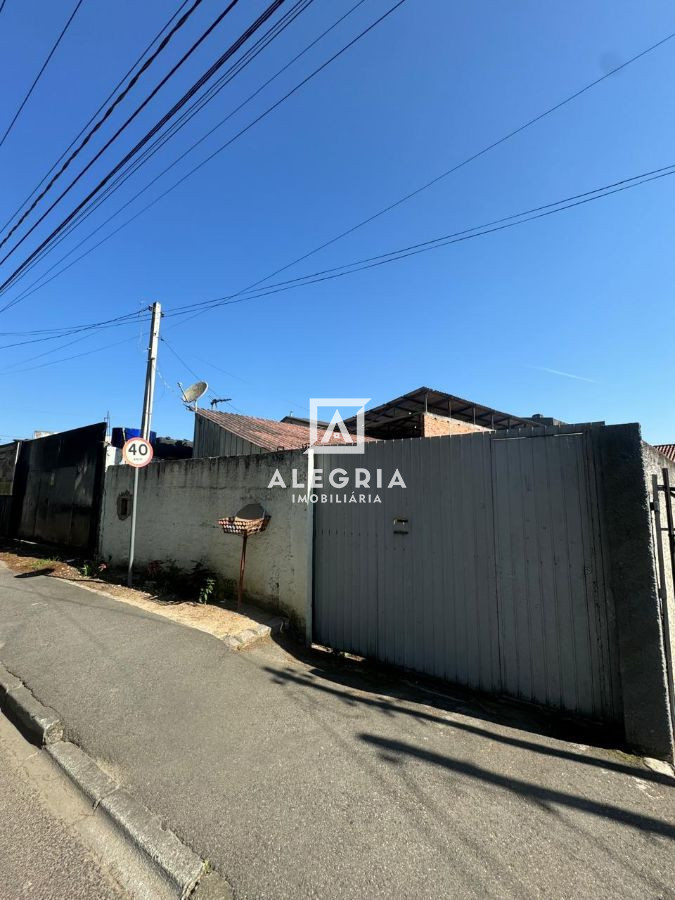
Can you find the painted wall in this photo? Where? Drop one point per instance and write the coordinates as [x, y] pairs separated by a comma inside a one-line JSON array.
[[180, 502], [654, 463], [628, 539]]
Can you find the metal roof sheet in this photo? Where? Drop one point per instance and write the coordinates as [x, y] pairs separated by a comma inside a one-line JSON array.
[[266, 433], [425, 399], [667, 450]]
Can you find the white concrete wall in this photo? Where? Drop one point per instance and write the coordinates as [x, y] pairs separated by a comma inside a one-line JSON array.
[[654, 462], [180, 502]]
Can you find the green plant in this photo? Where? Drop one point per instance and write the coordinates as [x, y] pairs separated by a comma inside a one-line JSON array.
[[202, 582], [207, 590], [198, 583], [90, 568], [42, 563]]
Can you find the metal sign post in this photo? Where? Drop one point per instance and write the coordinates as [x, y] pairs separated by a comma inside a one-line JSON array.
[[132, 453]]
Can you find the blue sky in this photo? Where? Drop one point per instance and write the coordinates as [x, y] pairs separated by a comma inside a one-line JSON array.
[[587, 292]]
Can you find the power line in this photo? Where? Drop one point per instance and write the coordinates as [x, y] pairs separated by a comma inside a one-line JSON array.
[[496, 225], [57, 334], [468, 159], [239, 134], [489, 147], [205, 77], [76, 340], [190, 311], [35, 286], [180, 360], [66, 328], [54, 362], [196, 107], [124, 125], [39, 74], [107, 100]]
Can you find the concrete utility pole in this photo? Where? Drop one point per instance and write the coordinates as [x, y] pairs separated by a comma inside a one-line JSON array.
[[146, 419]]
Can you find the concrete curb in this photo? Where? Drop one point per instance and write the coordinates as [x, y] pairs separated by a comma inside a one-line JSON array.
[[251, 635], [39, 721], [180, 866], [232, 641]]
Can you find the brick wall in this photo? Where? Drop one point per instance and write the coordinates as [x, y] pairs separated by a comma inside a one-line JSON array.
[[434, 426]]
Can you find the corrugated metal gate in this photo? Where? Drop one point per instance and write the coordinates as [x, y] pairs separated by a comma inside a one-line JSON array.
[[57, 488], [486, 570]]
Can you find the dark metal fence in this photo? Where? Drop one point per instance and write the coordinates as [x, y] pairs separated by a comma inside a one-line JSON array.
[[57, 488]]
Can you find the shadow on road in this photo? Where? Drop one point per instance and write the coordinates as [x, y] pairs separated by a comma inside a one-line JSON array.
[[396, 751], [46, 571], [429, 707]]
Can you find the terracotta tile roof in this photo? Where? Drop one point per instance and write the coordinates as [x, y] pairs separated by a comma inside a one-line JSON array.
[[266, 433], [667, 450]]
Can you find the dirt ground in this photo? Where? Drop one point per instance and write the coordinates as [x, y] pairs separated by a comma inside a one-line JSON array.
[[215, 619]]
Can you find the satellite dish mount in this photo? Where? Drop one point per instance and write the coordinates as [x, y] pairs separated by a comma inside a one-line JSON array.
[[193, 393]]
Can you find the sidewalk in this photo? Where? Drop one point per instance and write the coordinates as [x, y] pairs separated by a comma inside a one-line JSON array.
[[304, 779]]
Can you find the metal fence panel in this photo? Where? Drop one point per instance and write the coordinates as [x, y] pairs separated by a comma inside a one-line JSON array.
[[486, 570], [57, 488], [420, 593], [553, 624]]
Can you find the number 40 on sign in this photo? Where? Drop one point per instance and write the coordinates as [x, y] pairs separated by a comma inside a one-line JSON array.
[[137, 452]]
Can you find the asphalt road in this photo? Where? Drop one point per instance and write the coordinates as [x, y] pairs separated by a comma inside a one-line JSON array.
[[301, 779], [41, 854]]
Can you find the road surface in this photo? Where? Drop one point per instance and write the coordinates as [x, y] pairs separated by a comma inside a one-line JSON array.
[[41, 853], [297, 777]]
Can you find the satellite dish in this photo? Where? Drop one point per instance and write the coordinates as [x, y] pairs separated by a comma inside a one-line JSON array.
[[194, 392]]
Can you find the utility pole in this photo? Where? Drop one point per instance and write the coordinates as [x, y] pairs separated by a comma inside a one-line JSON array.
[[146, 418]]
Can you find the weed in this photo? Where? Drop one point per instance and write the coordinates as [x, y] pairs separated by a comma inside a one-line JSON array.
[[90, 568], [198, 583]]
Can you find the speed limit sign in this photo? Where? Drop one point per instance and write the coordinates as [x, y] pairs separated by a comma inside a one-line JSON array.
[[137, 452]]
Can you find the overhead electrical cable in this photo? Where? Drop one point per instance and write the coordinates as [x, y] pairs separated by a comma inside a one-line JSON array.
[[93, 117], [207, 75], [54, 362], [185, 117], [34, 286], [224, 79], [469, 159], [180, 360], [57, 334], [51, 350], [122, 127], [489, 147], [228, 143], [189, 311], [181, 22], [39, 74], [496, 225]]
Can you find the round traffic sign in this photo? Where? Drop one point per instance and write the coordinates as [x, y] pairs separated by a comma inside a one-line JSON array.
[[137, 452]]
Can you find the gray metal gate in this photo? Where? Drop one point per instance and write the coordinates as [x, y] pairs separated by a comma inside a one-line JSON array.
[[486, 570]]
